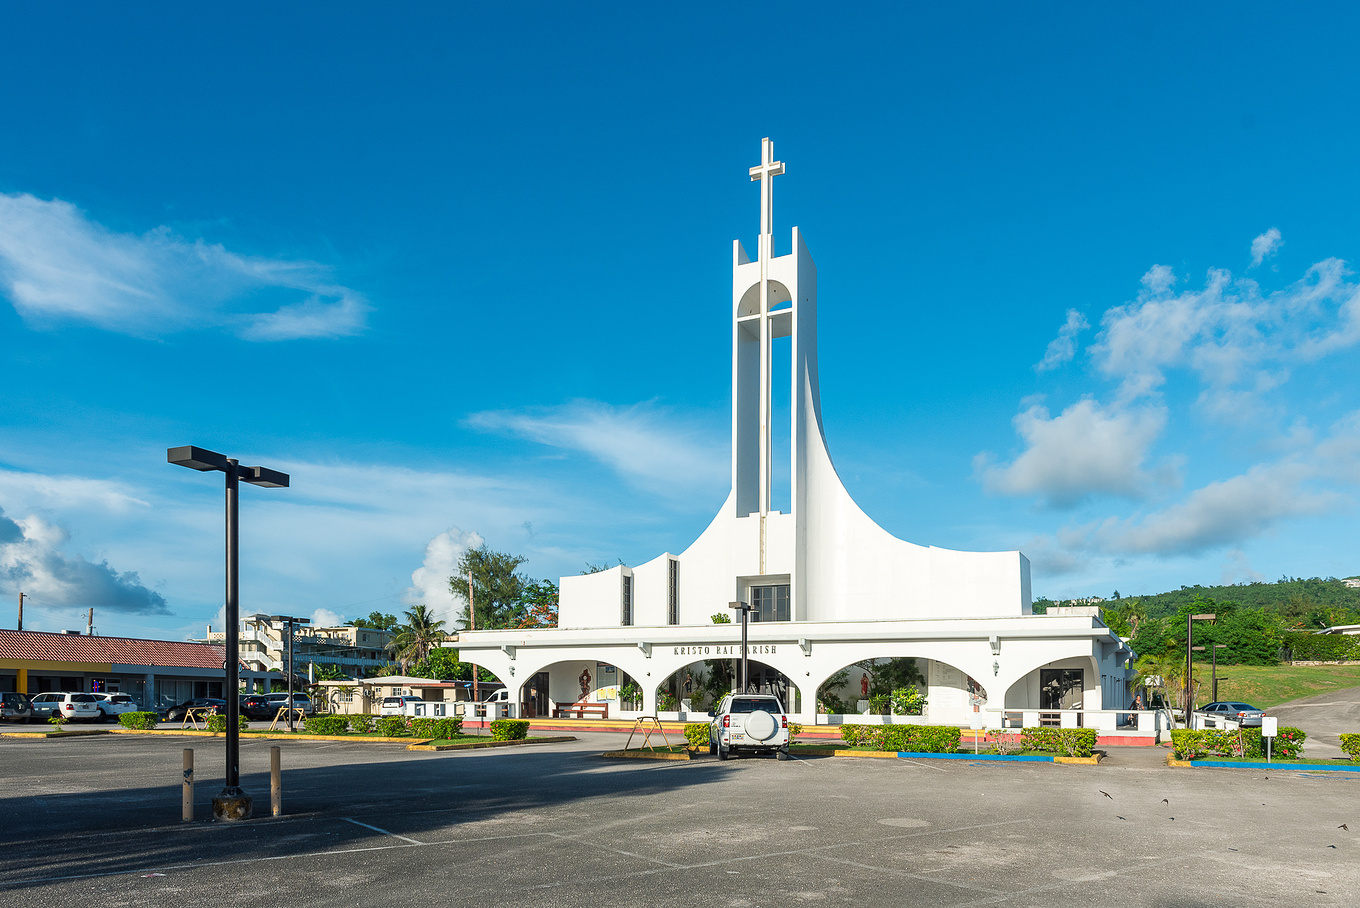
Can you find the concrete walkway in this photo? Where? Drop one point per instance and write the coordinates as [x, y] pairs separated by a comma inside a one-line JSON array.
[[1323, 717]]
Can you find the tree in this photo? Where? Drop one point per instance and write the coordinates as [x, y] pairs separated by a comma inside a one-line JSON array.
[[330, 672], [377, 621], [540, 604], [413, 640], [497, 591]]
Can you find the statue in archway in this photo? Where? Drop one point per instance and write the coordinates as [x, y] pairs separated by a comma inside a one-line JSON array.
[[585, 682]]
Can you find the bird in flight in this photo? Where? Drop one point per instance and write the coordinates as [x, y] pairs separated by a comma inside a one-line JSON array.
[[1166, 802], [1345, 827], [1108, 795]]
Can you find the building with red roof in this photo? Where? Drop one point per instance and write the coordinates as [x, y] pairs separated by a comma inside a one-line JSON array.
[[156, 673]]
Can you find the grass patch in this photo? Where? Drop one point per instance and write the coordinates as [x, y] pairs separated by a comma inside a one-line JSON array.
[[1276, 761], [1265, 686]]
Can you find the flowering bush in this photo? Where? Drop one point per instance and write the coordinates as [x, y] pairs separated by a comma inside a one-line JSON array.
[[1063, 742], [908, 701], [1350, 744], [362, 723], [1247, 743], [392, 726], [696, 734]]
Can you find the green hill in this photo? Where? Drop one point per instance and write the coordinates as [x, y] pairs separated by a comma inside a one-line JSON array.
[[1257, 623]]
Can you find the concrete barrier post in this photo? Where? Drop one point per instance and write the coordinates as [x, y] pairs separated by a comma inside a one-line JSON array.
[[275, 782], [187, 812]]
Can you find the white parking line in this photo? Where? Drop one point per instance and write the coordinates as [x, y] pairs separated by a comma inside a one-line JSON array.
[[383, 831]]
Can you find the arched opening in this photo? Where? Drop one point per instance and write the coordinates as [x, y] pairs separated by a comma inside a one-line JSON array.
[[703, 683], [578, 688], [780, 298], [907, 689]]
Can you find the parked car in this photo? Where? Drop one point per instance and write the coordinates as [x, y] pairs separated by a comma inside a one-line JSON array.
[[258, 706], [15, 707], [397, 706], [1244, 714], [300, 701], [176, 713], [113, 705], [755, 723], [73, 706]]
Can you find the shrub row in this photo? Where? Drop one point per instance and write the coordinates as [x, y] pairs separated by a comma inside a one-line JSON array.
[[929, 739], [392, 726], [218, 723], [1193, 744], [696, 734], [1350, 744], [326, 725], [142, 721], [509, 729], [432, 727], [1062, 742]]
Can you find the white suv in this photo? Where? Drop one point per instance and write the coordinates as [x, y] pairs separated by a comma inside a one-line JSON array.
[[111, 705], [72, 706], [751, 722]]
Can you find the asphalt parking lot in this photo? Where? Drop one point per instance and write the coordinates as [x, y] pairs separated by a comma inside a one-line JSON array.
[[95, 821]]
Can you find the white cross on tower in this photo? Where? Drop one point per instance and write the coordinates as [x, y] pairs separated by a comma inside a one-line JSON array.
[[766, 171]]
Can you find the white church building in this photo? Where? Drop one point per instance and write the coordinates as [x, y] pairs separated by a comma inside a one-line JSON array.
[[829, 589]]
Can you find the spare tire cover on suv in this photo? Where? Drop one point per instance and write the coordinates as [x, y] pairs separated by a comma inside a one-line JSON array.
[[761, 725]]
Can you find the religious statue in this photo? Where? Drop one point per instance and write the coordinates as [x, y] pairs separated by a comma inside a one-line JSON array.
[[585, 682], [689, 683], [864, 686]]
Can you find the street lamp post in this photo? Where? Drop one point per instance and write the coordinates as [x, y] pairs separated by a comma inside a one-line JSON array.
[[1214, 682], [291, 621], [232, 803], [745, 610], [1190, 664]]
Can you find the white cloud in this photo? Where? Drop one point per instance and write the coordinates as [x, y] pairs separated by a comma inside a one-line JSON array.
[[430, 581], [1063, 347], [1265, 245], [32, 561], [1086, 450], [1240, 341], [24, 490], [324, 617], [646, 445], [57, 265]]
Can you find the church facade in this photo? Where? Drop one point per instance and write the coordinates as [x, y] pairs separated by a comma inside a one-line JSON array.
[[837, 604]]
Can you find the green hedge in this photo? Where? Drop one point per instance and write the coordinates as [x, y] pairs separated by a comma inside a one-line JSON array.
[[696, 734], [510, 729], [1310, 647], [326, 725], [1350, 744], [218, 722], [362, 723], [432, 727], [929, 739], [1195, 744], [138, 720], [392, 726], [1062, 742]]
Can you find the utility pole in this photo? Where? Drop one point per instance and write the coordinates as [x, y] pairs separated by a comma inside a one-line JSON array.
[[472, 626], [21, 611]]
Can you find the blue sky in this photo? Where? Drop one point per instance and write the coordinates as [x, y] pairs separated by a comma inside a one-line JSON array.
[[1086, 288]]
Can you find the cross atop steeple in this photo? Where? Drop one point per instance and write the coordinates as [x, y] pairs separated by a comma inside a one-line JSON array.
[[766, 171]]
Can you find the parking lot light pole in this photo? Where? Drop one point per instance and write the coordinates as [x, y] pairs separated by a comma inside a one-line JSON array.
[[1190, 664], [232, 803], [745, 609], [291, 621]]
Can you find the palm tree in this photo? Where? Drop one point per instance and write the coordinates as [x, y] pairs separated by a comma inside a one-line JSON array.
[[413, 640]]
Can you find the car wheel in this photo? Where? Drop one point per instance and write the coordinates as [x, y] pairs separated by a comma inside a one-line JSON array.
[[722, 752], [782, 753], [712, 748]]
